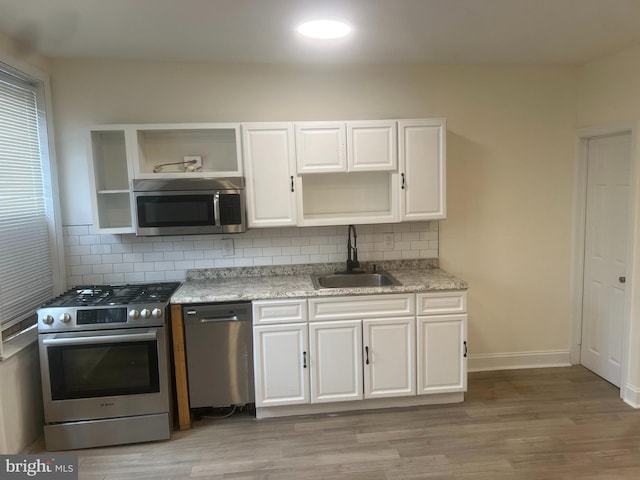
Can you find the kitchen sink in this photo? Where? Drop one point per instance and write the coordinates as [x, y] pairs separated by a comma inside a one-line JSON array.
[[354, 280]]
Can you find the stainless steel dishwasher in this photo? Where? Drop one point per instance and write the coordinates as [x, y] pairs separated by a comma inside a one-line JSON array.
[[219, 347]]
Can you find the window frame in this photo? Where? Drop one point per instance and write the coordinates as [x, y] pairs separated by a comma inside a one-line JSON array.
[[28, 73]]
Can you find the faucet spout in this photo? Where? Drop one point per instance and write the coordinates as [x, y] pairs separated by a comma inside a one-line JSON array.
[[352, 249]]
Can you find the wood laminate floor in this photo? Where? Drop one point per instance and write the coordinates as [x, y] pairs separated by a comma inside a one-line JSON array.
[[555, 423]]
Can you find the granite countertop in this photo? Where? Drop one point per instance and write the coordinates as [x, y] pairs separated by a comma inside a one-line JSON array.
[[263, 283]]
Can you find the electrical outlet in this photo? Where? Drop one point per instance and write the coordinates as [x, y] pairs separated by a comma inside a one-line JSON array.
[[192, 163], [387, 241], [227, 247]]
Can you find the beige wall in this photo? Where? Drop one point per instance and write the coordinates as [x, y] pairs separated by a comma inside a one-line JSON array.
[[609, 94], [510, 159]]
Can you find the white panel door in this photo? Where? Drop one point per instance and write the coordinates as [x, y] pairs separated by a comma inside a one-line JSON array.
[[605, 259], [389, 357], [372, 146], [336, 361], [281, 364], [442, 355], [422, 161], [269, 156], [321, 147]]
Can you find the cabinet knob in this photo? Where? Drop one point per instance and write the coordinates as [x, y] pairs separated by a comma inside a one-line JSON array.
[[622, 279]]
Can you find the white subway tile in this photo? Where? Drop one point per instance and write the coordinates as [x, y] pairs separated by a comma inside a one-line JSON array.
[[184, 265], [114, 278], [332, 248], [428, 253], [153, 256], [310, 250], [298, 259], [89, 239], [183, 245], [74, 280], [77, 230], [282, 260], [291, 251], [174, 255], [318, 258], [154, 277], [251, 252], [93, 279], [272, 252], [79, 250], [71, 240], [408, 236], [162, 266], [112, 258], [122, 248], [100, 249], [194, 254], [142, 247], [262, 242], [392, 255], [224, 262], [108, 268], [80, 270], [134, 277], [281, 242], [123, 268], [243, 243], [419, 245], [203, 245], [162, 246], [109, 239], [212, 253], [91, 259], [175, 276], [243, 262], [73, 260], [258, 261], [133, 257], [319, 240], [300, 241], [206, 263], [143, 267]]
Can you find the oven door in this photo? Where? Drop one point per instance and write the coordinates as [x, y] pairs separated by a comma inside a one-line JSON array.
[[104, 374]]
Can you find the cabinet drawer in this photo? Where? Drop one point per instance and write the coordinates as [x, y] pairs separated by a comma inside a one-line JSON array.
[[441, 302], [367, 306], [266, 312]]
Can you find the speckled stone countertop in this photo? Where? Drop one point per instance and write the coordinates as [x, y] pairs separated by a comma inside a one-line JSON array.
[[294, 281]]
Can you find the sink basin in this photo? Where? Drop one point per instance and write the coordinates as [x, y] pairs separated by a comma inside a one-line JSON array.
[[354, 280]]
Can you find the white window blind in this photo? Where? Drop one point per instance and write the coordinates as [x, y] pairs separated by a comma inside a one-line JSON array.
[[25, 260]]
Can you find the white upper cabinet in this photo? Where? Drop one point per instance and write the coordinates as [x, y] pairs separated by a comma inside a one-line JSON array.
[[422, 168], [188, 150], [110, 172], [372, 146], [354, 146], [321, 147], [269, 156]]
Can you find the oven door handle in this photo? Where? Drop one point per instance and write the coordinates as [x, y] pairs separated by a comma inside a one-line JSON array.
[[95, 340]]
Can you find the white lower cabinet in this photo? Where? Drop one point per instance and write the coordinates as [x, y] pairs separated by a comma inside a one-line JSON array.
[[360, 348], [389, 357], [442, 354], [281, 364], [336, 361]]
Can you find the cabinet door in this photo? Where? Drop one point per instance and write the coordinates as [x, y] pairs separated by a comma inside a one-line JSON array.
[[321, 147], [422, 169], [270, 171], [336, 361], [442, 356], [281, 363], [372, 146], [389, 357]]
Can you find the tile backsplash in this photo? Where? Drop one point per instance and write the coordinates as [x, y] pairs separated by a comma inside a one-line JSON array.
[[96, 259]]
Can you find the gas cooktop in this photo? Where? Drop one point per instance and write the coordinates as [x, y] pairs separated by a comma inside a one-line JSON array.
[[103, 295], [103, 307]]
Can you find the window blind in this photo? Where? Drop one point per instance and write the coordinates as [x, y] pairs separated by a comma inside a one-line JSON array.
[[25, 260]]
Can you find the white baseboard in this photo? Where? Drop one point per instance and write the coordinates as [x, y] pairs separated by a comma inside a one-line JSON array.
[[512, 361], [631, 396]]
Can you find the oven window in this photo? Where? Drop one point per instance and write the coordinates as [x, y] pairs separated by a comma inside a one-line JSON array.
[[84, 371], [175, 211]]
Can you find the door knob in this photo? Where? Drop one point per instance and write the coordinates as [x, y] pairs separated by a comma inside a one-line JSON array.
[[622, 279]]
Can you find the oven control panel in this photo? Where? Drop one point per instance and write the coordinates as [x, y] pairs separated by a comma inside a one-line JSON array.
[[60, 319]]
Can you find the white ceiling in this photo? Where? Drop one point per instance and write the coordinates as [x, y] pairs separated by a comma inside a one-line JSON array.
[[565, 32]]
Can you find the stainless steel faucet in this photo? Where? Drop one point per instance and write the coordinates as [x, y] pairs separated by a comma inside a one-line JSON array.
[[352, 250]]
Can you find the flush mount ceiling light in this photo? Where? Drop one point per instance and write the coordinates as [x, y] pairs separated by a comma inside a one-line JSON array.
[[324, 29]]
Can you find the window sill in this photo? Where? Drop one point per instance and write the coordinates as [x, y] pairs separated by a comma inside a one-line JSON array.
[[17, 344]]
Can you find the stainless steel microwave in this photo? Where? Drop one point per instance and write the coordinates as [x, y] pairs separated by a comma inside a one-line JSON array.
[[189, 206]]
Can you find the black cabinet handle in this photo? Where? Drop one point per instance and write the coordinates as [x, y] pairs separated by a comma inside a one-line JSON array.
[[465, 348], [292, 183], [366, 351], [402, 176], [304, 359]]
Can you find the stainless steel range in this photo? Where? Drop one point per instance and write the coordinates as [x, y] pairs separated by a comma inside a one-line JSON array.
[[104, 362]]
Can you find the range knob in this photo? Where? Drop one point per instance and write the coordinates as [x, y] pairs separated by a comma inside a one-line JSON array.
[[65, 317], [134, 314], [48, 320], [157, 312], [146, 313]]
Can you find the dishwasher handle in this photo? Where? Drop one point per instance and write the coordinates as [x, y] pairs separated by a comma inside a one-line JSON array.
[[232, 318]]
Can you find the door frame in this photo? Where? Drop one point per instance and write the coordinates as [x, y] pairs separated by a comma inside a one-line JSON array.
[[628, 392]]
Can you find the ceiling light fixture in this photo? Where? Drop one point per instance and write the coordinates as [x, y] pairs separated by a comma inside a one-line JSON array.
[[324, 29]]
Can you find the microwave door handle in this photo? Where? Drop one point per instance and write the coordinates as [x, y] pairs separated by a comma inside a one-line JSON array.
[[95, 340], [216, 208]]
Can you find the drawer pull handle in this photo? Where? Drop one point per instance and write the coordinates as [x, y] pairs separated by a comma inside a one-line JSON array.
[[304, 359], [366, 351], [465, 348], [292, 183], [402, 175]]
